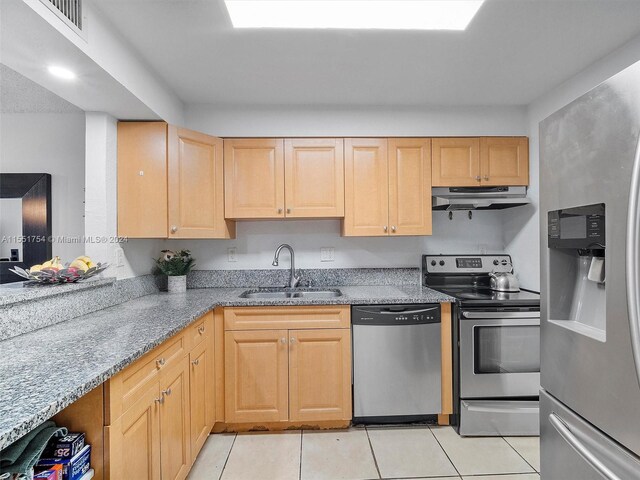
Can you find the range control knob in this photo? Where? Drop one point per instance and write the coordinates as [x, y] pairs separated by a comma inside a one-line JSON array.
[[433, 263], [496, 262], [442, 263], [504, 262]]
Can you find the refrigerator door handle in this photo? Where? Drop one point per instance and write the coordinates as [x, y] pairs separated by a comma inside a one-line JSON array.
[[580, 448], [633, 261]]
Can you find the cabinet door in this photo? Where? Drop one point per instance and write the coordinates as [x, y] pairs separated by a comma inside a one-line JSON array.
[[504, 161], [201, 390], [366, 188], [314, 177], [254, 178], [410, 186], [174, 422], [456, 162], [142, 179], [256, 376], [133, 440], [196, 186], [320, 375]]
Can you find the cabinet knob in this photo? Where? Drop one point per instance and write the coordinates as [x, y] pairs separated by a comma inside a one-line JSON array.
[[486, 177], [279, 210], [201, 330], [196, 362], [384, 228], [478, 178], [160, 362], [174, 229], [393, 228], [159, 400], [288, 210], [293, 340], [166, 392], [283, 340]]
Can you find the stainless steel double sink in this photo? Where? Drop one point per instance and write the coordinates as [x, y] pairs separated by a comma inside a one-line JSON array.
[[285, 293]]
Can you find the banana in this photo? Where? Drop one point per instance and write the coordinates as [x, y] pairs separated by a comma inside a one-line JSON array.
[[80, 265], [36, 268]]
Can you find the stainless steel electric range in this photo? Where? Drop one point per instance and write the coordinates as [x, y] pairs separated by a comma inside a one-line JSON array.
[[496, 345]]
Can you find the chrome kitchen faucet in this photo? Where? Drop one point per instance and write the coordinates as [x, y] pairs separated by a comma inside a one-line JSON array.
[[294, 278]]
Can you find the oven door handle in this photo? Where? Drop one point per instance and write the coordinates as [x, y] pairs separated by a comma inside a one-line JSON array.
[[499, 315]]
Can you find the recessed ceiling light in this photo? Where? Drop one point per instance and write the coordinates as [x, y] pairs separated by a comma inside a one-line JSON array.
[[354, 14], [61, 72]]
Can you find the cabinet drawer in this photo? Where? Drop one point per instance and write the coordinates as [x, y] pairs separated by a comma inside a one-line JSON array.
[[273, 318], [199, 330], [125, 388]]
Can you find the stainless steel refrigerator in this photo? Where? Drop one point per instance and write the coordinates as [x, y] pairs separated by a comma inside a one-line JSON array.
[[590, 284]]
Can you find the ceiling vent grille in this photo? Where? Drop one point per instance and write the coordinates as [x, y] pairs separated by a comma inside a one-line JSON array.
[[70, 11]]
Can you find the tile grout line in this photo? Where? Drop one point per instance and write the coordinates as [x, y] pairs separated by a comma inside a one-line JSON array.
[[373, 453], [228, 455], [445, 452], [525, 460], [300, 466]]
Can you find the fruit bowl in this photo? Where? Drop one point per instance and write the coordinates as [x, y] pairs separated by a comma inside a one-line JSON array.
[[64, 275]]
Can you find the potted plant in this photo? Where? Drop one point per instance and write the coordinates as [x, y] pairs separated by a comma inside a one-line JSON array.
[[175, 265]]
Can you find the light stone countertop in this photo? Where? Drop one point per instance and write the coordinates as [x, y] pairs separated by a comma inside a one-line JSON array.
[[23, 291], [44, 371]]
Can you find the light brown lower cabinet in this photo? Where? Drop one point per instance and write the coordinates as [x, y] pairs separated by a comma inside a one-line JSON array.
[[319, 375], [256, 370], [291, 373], [202, 389], [160, 409], [133, 440], [175, 436]]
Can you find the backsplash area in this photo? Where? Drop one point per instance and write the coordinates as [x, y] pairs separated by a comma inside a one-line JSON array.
[[310, 277]]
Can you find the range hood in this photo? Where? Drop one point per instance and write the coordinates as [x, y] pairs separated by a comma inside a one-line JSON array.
[[478, 198]]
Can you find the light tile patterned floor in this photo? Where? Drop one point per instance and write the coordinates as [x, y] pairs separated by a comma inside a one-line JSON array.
[[362, 454]]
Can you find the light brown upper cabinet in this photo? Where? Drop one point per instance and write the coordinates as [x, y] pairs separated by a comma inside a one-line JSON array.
[[366, 187], [485, 161], [142, 179], [504, 161], [170, 183], [314, 177], [410, 186], [196, 186], [456, 162], [290, 178], [387, 187], [254, 178]]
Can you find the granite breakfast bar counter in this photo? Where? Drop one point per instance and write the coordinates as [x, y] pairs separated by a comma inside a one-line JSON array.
[[44, 371]]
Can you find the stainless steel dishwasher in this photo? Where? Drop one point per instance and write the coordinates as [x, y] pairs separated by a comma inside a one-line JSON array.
[[396, 363]]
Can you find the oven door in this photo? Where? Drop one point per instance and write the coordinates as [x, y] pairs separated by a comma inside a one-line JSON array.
[[499, 354]]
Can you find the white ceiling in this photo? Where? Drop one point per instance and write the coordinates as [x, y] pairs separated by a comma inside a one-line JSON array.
[[512, 52], [29, 43], [18, 94]]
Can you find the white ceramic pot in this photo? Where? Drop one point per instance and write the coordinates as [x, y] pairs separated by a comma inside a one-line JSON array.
[[177, 283]]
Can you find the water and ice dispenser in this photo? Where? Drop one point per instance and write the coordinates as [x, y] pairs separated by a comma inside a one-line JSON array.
[[577, 259]]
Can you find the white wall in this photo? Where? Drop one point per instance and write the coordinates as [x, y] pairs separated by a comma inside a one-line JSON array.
[[127, 259], [257, 240], [50, 143], [522, 225], [342, 122]]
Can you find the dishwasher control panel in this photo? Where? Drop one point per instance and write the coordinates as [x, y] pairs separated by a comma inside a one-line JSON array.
[[395, 314]]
